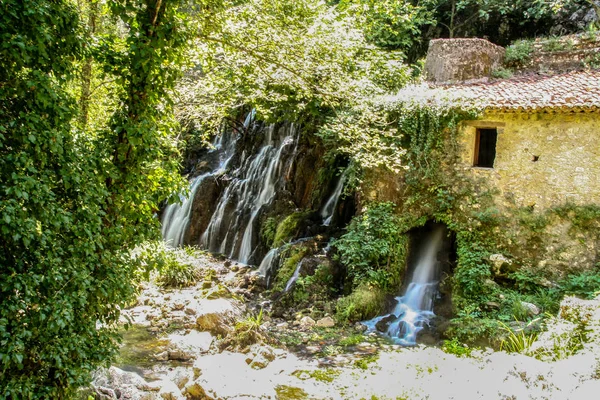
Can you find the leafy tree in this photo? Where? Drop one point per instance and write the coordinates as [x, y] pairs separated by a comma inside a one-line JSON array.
[[299, 56], [74, 203]]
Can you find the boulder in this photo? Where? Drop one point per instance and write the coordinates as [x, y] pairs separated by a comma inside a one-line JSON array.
[[384, 323], [531, 308], [307, 322], [326, 322]]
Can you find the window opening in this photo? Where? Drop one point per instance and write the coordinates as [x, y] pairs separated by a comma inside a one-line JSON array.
[[485, 148]]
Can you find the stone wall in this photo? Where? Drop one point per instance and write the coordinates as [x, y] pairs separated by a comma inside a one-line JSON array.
[[542, 160], [459, 60]]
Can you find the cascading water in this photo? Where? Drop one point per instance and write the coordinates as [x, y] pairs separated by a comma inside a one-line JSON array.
[[415, 309], [329, 208], [176, 217], [231, 227]]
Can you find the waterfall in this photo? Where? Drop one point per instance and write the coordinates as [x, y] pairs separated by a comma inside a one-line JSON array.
[[329, 208], [176, 217], [415, 309], [294, 277], [268, 262], [231, 229]]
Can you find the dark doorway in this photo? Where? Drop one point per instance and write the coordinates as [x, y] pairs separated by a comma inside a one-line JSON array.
[[485, 148]]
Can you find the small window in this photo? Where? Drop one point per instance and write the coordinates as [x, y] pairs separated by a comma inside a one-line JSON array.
[[485, 148]]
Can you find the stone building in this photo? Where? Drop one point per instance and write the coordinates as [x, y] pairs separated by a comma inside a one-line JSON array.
[[538, 140]]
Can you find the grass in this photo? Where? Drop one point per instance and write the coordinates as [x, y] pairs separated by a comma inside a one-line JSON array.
[[517, 341]]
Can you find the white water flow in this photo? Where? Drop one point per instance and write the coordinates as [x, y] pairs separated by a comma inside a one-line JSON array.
[[329, 208], [231, 227], [268, 262], [294, 277], [176, 217], [415, 309]]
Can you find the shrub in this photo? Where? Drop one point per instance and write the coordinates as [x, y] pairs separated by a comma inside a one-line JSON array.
[[519, 53], [502, 73], [365, 302], [374, 248]]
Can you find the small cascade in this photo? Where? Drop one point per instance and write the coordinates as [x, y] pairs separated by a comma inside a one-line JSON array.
[[176, 217], [231, 230], [268, 263], [329, 208], [415, 309], [294, 277]]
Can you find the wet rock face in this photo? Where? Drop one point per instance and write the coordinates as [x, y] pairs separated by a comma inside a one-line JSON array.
[[203, 207]]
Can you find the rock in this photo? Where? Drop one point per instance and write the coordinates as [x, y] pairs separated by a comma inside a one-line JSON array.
[[178, 306], [190, 311], [168, 396], [282, 325], [105, 393], [114, 380], [307, 322], [492, 305], [196, 392], [214, 323], [326, 322], [206, 284], [531, 308], [382, 326], [179, 355], [164, 356], [360, 327]]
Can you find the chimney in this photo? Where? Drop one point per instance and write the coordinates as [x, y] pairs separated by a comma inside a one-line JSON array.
[[461, 60]]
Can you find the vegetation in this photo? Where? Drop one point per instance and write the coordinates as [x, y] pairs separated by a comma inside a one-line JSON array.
[[75, 202], [373, 249], [89, 153]]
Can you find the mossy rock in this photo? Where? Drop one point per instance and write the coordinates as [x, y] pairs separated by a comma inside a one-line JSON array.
[[365, 302], [290, 227]]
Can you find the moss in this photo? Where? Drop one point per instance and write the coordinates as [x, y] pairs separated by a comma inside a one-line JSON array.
[[364, 302], [285, 392], [288, 266], [267, 231], [289, 228]]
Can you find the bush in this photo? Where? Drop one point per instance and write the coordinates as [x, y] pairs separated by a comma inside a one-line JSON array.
[[519, 53], [374, 248], [365, 302]]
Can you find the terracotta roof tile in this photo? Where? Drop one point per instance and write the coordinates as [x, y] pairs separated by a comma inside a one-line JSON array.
[[572, 91]]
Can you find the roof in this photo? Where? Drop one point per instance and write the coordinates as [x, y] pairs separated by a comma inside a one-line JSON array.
[[577, 91]]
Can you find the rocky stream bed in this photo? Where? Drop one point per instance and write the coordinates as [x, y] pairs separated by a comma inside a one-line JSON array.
[[210, 341]]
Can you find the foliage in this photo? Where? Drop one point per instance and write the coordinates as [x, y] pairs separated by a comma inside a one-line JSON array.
[[374, 248], [251, 323], [455, 347], [267, 231], [74, 203], [391, 24], [363, 303], [291, 258], [585, 285], [286, 59], [177, 275], [502, 73], [517, 341], [519, 53]]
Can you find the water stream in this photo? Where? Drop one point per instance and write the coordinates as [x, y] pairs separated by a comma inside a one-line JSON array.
[[329, 209], [231, 230], [415, 308]]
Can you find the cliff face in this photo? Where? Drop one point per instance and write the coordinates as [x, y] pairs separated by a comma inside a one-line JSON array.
[[272, 172]]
